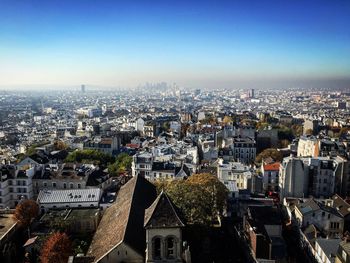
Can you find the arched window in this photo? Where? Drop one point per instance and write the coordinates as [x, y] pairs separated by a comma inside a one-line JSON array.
[[156, 245], [170, 247]]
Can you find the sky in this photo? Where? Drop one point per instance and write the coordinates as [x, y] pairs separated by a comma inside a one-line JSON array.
[[192, 43]]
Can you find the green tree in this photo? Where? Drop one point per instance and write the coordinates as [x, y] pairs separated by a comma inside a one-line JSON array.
[[94, 156], [122, 164], [202, 197], [285, 133], [270, 152]]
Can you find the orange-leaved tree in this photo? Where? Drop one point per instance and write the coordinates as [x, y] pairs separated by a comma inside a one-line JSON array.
[[26, 211], [56, 249]]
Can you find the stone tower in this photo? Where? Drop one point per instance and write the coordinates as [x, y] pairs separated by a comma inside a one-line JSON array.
[[163, 231]]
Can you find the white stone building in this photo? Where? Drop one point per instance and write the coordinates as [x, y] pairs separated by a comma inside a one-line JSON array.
[[15, 185], [234, 172]]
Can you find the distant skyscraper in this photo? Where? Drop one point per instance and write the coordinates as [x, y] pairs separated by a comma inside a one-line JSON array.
[[83, 88], [251, 93]]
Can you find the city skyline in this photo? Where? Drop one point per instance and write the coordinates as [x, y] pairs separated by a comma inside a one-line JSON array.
[[122, 44]]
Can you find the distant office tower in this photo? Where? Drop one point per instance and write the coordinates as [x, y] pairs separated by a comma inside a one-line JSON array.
[[83, 88], [251, 93]]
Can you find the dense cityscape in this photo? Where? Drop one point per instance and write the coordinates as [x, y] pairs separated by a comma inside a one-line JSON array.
[[184, 175]]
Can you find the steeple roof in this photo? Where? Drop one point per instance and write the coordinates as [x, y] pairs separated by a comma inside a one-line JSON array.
[[162, 214]]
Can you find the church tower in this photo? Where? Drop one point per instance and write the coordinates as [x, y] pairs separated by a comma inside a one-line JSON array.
[[163, 231]]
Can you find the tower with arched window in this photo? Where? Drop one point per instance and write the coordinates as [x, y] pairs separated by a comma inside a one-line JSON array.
[[163, 231]]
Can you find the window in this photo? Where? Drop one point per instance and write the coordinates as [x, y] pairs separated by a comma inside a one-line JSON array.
[[156, 248], [45, 184], [170, 251], [64, 185], [54, 184], [79, 186], [71, 186]]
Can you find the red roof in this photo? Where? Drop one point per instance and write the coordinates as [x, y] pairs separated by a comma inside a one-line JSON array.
[[132, 145], [272, 166]]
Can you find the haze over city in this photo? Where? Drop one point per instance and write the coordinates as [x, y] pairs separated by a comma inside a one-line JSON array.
[[204, 44]]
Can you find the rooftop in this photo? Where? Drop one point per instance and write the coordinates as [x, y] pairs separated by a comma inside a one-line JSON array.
[[272, 166], [69, 196], [6, 223]]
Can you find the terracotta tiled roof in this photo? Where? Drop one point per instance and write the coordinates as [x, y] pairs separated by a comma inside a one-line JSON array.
[[272, 167], [123, 221]]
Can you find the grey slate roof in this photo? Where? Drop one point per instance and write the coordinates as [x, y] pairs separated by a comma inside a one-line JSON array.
[[329, 246], [69, 196], [162, 214]]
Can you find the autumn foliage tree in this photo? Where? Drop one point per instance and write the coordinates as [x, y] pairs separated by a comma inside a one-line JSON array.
[[270, 152], [227, 120], [56, 249], [202, 197], [26, 211], [60, 145]]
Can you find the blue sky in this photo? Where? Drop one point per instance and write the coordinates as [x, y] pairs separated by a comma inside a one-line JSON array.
[[192, 43]]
